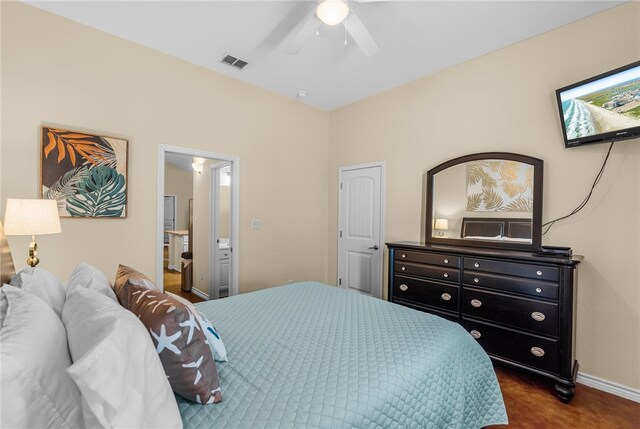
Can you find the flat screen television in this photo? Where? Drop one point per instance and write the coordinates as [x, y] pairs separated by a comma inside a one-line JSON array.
[[604, 108]]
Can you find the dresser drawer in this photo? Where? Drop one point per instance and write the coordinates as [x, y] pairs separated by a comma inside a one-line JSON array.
[[531, 350], [537, 316], [430, 271], [431, 293], [539, 272], [511, 284], [431, 310], [428, 258]]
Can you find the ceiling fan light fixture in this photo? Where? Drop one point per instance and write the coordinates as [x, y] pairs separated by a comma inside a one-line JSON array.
[[332, 12]]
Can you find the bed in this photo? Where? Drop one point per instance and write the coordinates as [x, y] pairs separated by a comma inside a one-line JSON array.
[[300, 355], [312, 355], [505, 229]]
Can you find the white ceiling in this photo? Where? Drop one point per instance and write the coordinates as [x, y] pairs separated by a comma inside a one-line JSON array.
[[417, 38], [179, 160]]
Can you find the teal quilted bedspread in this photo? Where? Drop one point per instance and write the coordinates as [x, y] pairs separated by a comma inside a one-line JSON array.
[[312, 355]]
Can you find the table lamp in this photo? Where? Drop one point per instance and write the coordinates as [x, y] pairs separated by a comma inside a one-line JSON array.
[[441, 225], [31, 217]]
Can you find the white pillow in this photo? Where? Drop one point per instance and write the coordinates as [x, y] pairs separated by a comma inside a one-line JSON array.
[[90, 277], [213, 337], [116, 366], [3, 309], [42, 284], [36, 390]]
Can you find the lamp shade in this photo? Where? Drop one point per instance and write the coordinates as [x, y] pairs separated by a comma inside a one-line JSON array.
[[198, 167], [31, 217], [225, 177], [441, 224], [332, 12]]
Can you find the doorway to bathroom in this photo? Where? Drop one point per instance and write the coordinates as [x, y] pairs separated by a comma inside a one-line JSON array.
[[197, 257]]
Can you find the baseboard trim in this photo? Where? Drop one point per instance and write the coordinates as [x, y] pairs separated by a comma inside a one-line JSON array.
[[609, 387], [199, 293]]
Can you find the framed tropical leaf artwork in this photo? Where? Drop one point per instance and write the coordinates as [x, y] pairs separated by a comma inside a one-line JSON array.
[[85, 173], [498, 185]]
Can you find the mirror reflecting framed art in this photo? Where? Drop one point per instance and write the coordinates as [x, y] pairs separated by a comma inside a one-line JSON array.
[[491, 199]]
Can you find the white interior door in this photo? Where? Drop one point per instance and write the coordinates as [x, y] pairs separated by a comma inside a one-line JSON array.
[[360, 229]]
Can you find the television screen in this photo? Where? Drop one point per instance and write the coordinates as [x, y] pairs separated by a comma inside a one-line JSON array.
[[603, 108]]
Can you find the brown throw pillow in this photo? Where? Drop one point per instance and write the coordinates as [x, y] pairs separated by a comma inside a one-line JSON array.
[[179, 340], [126, 274]]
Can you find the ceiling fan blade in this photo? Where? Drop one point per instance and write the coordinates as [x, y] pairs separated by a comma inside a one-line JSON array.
[[361, 35], [310, 26]]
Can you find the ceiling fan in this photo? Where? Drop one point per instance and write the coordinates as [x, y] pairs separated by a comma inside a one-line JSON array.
[[334, 12]]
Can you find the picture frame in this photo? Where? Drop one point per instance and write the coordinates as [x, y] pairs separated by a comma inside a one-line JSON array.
[[86, 173]]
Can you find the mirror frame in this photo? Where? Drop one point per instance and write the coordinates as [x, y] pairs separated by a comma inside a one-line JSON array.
[[536, 215]]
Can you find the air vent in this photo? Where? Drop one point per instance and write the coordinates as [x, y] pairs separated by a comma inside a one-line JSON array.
[[234, 61]]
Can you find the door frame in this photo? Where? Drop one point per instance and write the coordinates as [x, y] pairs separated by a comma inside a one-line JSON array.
[[214, 250], [341, 170], [234, 240]]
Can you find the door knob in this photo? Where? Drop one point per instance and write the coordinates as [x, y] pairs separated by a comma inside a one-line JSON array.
[[374, 247]]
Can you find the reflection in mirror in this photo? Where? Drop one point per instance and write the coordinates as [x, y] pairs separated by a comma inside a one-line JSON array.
[[491, 200], [197, 226]]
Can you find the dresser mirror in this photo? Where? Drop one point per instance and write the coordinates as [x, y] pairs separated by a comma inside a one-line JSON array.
[[491, 199]]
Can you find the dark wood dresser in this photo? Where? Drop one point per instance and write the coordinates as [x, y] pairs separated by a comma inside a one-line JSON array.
[[518, 305]]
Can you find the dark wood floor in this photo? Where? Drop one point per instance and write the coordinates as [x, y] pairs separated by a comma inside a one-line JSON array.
[[171, 282], [531, 403]]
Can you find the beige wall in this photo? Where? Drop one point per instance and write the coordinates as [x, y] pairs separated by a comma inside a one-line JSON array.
[[505, 101], [1, 199], [60, 72], [179, 182]]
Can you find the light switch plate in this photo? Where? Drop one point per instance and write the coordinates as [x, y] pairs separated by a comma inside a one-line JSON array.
[[256, 224]]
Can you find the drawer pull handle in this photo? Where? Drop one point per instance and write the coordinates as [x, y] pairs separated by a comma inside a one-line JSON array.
[[475, 334], [402, 268], [539, 272], [445, 296], [477, 265], [404, 287], [445, 275], [537, 351], [476, 280], [476, 303], [538, 289], [404, 255], [537, 316], [446, 261]]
